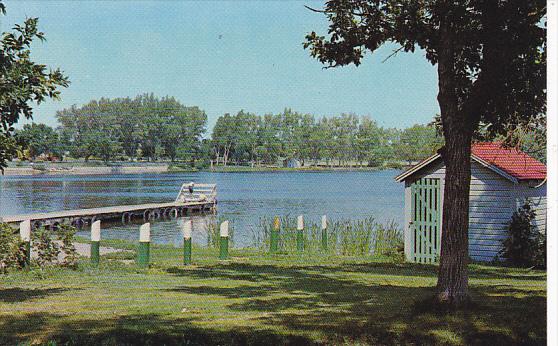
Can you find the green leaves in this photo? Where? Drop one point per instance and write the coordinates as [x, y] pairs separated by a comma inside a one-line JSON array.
[[146, 126], [39, 139], [525, 245], [418, 142], [22, 81], [346, 138], [11, 248], [497, 50]]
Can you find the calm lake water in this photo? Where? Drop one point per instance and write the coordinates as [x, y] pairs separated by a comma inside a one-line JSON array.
[[243, 197]]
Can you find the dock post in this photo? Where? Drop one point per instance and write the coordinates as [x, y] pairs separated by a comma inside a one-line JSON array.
[[324, 233], [274, 236], [95, 242], [300, 233], [143, 251], [25, 235], [224, 242], [187, 233]]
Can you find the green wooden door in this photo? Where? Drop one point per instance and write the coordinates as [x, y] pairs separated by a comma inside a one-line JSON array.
[[425, 220]]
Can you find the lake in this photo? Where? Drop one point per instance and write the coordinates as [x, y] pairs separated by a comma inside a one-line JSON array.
[[242, 197]]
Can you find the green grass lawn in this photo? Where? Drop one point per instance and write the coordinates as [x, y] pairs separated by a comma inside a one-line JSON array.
[[260, 299]]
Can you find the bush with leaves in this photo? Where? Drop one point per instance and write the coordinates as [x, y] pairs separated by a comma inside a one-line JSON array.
[[12, 249], [50, 243], [65, 234], [524, 246], [539, 259], [47, 249]]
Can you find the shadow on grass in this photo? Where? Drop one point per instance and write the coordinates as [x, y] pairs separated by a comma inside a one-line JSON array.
[[309, 305], [229, 272], [402, 269], [148, 329], [505, 273], [18, 295], [314, 299], [256, 273], [234, 292], [265, 272], [428, 270]]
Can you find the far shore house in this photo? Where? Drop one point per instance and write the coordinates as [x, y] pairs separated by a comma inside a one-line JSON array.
[[291, 163], [501, 180]]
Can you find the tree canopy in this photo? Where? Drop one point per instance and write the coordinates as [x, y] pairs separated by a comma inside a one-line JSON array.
[[143, 127], [496, 55], [343, 140], [39, 139], [22, 81]]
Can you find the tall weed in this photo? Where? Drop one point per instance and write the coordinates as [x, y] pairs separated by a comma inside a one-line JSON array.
[[356, 238]]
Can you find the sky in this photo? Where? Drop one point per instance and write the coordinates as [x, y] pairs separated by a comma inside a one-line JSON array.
[[221, 56]]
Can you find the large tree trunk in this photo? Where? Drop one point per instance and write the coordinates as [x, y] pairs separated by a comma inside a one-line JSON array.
[[452, 273]]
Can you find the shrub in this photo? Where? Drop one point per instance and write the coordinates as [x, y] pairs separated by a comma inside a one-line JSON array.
[[65, 234], [40, 167], [12, 249], [524, 246], [47, 249], [202, 164], [540, 250], [50, 243]]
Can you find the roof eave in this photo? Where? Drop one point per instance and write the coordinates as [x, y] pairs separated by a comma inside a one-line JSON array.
[[416, 168], [401, 177]]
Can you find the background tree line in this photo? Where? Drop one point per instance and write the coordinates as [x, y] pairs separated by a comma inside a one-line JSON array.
[[145, 127], [151, 128], [341, 140]]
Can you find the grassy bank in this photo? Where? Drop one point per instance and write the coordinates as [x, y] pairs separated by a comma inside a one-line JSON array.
[[257, 298]]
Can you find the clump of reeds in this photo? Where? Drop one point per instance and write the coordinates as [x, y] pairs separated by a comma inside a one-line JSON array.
[[356, 238], [212, 228]]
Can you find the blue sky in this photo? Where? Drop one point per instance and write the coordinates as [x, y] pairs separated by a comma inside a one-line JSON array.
[[222, 56]]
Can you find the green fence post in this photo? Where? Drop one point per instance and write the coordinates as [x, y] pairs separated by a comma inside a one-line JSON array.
[[143, 251], [224, 248], [187, 232], [95, 242], [25, 235], [300, 233], [324, 233], [275, 235]]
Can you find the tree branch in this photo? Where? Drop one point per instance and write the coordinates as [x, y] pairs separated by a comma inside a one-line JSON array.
[[325, 11], [314, 10], [394, 53]]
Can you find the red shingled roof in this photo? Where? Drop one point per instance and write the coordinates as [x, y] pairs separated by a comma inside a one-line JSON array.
[[514, 162]]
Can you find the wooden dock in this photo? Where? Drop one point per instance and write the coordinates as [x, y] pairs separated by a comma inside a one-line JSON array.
[[192, 199]]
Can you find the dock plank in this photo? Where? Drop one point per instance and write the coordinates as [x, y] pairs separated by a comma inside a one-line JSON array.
[[100, 211]]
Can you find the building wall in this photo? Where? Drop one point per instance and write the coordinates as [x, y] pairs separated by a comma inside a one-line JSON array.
[[537, 200], [493, 199], [490, 210]]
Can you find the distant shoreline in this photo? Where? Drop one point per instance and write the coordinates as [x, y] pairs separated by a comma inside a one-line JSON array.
[[168, 168], [84, 170]]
